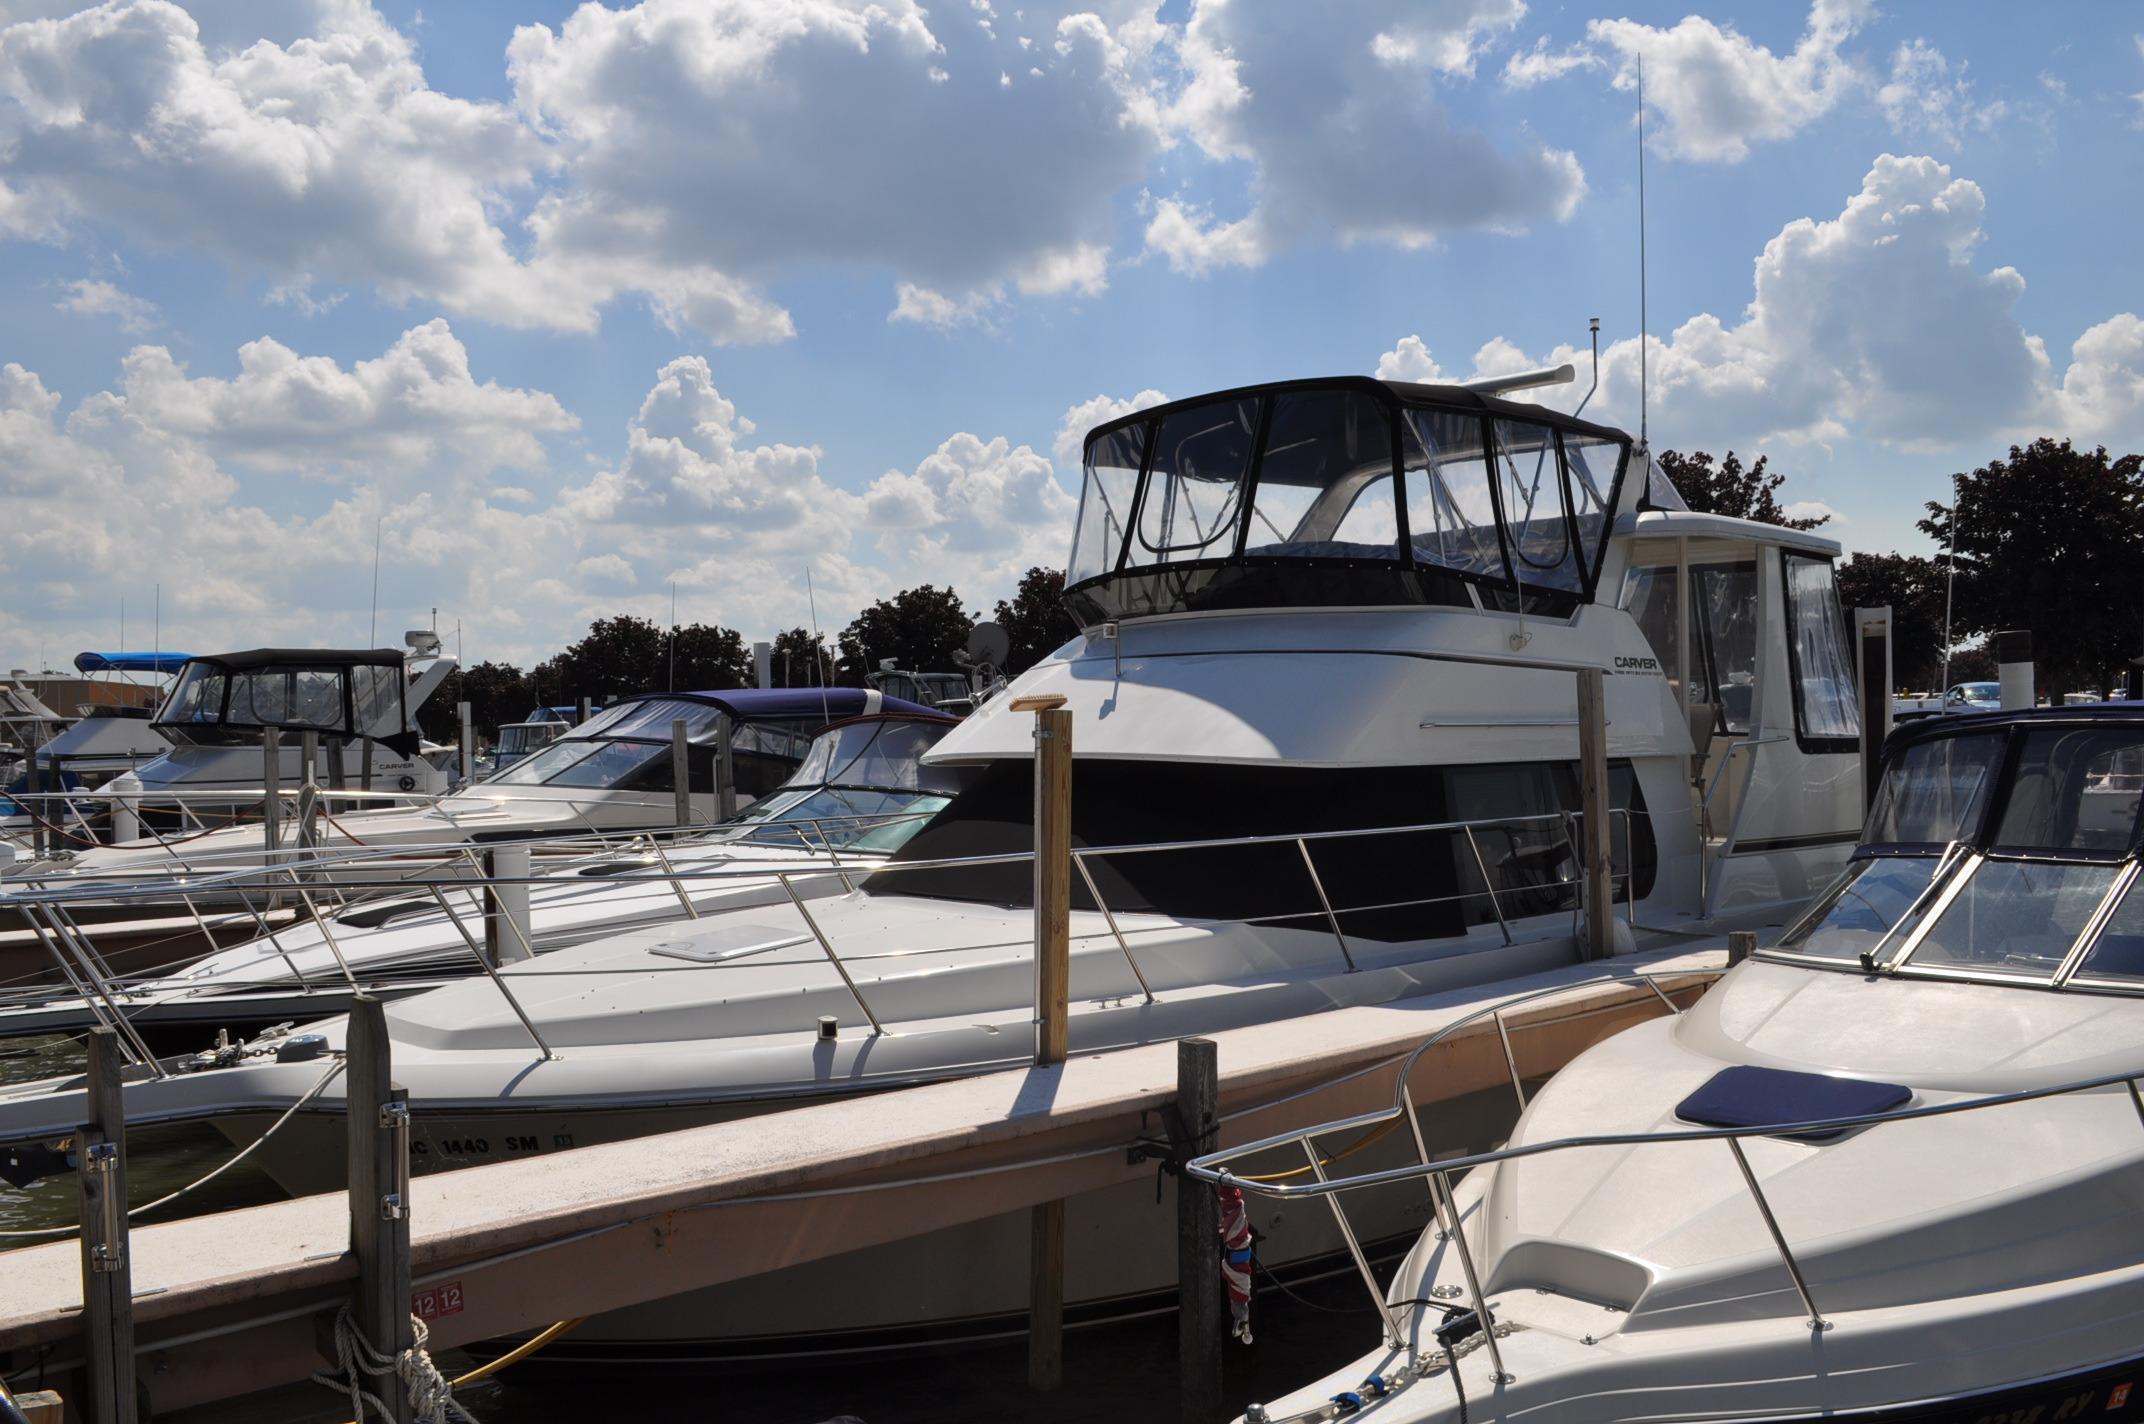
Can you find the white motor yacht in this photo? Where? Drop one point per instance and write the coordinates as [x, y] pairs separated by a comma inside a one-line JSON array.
[[859, 793], [1325, 732], [1886, 1169]]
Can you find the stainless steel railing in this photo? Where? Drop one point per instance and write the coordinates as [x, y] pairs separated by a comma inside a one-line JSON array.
[[322, 870], [1438, 1174]]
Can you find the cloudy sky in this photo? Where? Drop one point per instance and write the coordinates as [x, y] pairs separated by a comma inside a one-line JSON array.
[[572, 303]]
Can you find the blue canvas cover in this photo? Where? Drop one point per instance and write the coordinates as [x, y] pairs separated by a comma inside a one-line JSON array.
[[1746, 1096]]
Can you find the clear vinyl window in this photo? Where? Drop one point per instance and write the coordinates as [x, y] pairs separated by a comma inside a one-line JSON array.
[[1825, 705]]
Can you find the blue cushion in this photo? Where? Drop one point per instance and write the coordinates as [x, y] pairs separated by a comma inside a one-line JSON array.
[[1743, 1096]]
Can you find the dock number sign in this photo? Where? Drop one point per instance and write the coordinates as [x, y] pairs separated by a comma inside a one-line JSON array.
[[433, 1302]]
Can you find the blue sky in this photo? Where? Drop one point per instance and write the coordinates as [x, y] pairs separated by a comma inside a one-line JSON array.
[[572, 304]]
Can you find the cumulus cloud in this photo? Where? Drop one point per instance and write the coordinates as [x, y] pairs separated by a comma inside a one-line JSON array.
[[1409, 361], [93, 297], [402, 409], [1715, 91], [1881, 322], [673, 152], [1333, 111]]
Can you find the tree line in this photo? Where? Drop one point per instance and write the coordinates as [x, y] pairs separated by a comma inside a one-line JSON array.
[[919, 629], [2047, 538]]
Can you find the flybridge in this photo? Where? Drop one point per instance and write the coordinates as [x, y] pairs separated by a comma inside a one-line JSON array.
[[1343, 491]]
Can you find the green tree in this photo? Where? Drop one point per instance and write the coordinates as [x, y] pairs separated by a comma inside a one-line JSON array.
[[1912, 588], [2047, 540], [496, 693], [624, 655], [918, 628], [1035, 619], [1730, 489], [801, 659]]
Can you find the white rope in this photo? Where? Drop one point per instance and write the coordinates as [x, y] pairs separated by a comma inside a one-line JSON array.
[[429, 1391]]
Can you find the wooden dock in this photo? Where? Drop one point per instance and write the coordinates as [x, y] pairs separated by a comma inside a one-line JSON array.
[[239, 1301]]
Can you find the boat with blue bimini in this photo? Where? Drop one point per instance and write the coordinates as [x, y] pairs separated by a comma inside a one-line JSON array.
[[1337, 640], [1886, 1169]]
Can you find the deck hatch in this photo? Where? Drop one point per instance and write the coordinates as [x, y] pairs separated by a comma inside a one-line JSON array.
[[1746, 1096]]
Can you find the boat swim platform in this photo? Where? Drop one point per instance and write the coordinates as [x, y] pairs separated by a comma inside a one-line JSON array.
[[243, 1300]]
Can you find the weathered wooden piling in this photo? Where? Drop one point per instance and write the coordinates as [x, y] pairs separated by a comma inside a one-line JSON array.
[[378, 1139], [1053, 974], [1595, 854], [1201, 1310], [107, 1272], [468, 742], [1741, 944], [725, 770]]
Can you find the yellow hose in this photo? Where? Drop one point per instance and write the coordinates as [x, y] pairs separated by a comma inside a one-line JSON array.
[[520, 1352], [1375, 1134]]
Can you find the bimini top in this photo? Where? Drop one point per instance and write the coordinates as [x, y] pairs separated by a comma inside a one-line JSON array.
[[2002, 847], [1343, 491], [348, 693], [131, 662]]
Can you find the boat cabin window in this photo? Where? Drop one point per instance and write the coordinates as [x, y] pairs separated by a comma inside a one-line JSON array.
[[1451, 516], [1324, 486], [1650, 597], [1388, 885], [1286, 497], [1202, 457], [1935, 792], [1114, 460], [1827, 714], [1530, 483], [1726, 608], [2074, 789]]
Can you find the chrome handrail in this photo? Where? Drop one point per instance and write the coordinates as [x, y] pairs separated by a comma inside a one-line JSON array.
[[1214, 1167]]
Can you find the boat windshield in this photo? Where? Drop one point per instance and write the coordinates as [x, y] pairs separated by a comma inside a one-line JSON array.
[[862, 787], [2008, 854], [226, 701], [627, 747], [1341, 493]]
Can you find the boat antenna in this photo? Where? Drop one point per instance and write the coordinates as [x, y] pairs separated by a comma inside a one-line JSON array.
[[1593, 328], [122, 620], [372, 634], [815, 646], [1644, 327], [159, 639], [1950, 580]]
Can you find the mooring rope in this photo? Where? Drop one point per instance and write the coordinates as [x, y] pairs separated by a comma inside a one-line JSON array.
[[429, 1390]]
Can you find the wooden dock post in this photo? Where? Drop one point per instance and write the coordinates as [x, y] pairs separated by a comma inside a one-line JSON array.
[[1201, 1316], [1053, 977], [725, 770], [378, 1137], [1741, 944], [468, 742], [583, 710], [107, 1274], [35, 783], [1595, 856], [681, 771]]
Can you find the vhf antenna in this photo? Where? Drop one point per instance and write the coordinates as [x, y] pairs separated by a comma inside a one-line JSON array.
[[1644, 328]]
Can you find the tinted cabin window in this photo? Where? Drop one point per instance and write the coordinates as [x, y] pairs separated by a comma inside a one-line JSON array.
[[1194, 492], [1325, 481], [1419, 885], [1105, 506], [1649, 596]]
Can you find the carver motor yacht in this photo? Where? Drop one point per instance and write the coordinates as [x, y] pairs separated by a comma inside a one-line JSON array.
[[1331, 632], [859, 793], [1884, 1170]]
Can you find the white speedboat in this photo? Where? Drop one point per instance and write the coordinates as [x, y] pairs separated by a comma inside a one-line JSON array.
[[538, 730], [859, 793], [1331, 632], [1885, 1170]]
